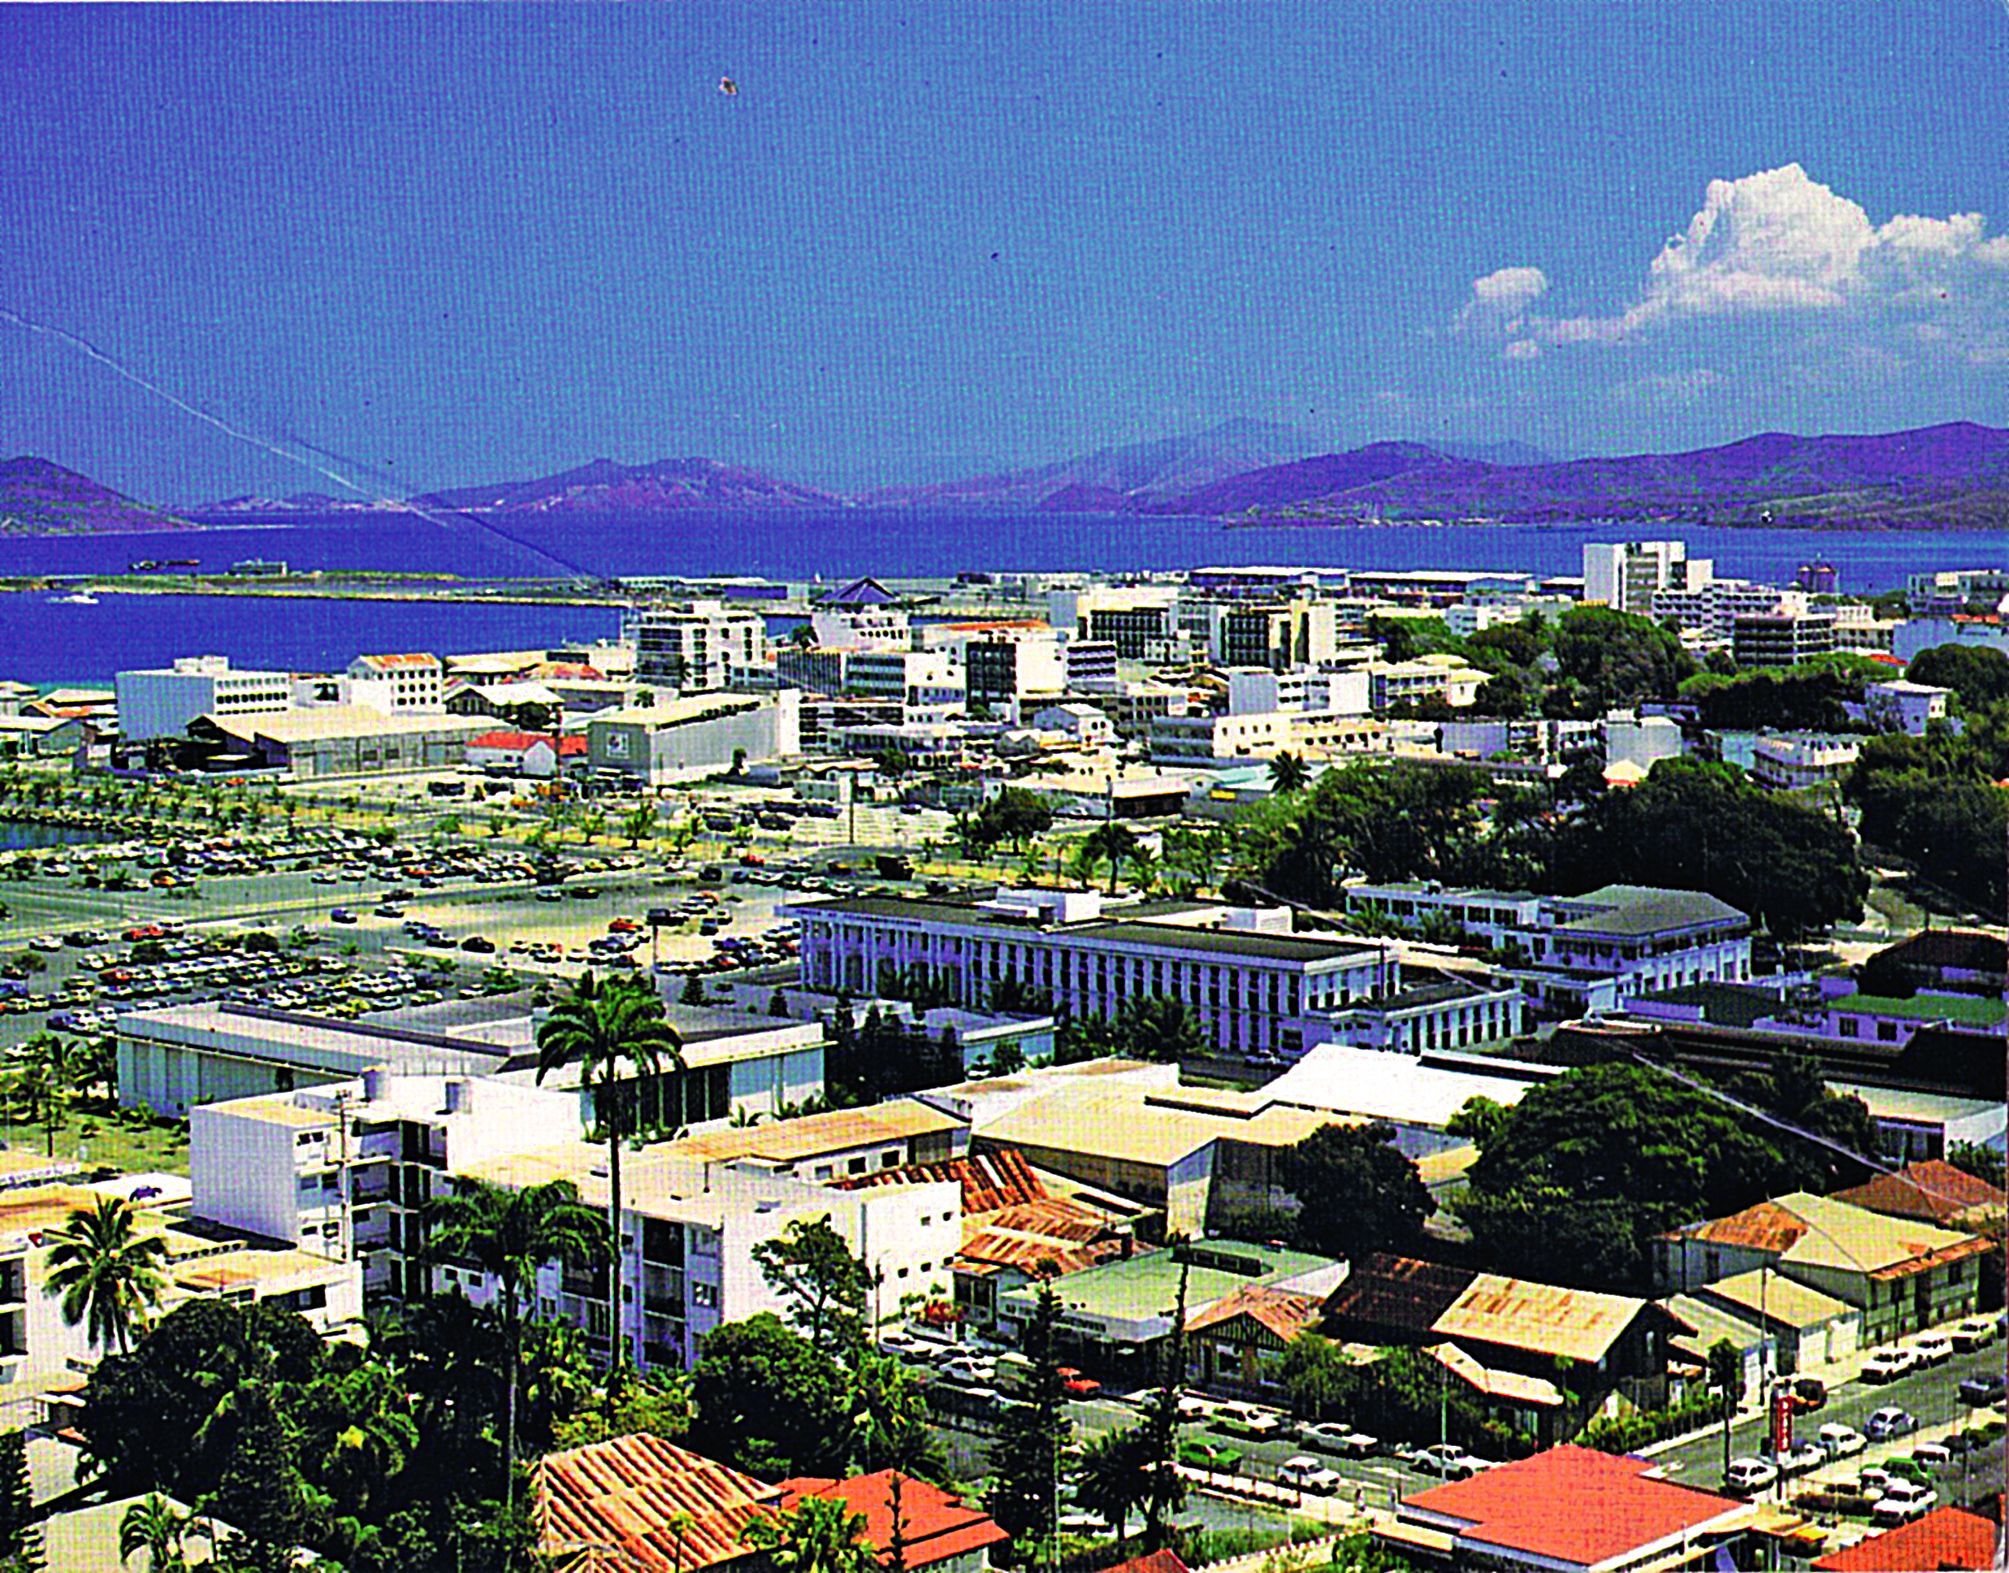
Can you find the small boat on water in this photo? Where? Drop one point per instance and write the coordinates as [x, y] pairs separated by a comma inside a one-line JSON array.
[[80, 598]]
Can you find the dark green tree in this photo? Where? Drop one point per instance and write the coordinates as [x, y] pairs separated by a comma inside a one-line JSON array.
[[1977, 674], [827, 1288], [1357, 1193], [1616, 658], [1029, 1457], [20, 1534], [769, 1401], [1726, 1374]]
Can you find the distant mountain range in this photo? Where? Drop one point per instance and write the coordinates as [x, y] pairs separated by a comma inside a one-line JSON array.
[[40, 498], [1956, 475]]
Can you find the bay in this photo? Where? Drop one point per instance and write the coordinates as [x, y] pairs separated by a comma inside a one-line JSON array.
[[45, 642]]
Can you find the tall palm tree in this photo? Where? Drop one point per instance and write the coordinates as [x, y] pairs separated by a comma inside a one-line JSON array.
[[1109, 843], [108, 1273], [606, 1028], [509, 1235]]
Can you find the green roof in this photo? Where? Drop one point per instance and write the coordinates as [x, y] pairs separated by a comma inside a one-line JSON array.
[[1626, 910], [1966, 1009], [1148, 1285]]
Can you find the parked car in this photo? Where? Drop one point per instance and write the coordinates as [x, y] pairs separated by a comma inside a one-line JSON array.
[[1308, 1474], [1871, 1482], [1889, 1422], [1335, 1436], [1933, 1455], [341, 915], [1809, 1392], [1840, 1441], [1902, 1501], [1251, 1420], [1077, 1384], [1799, 1459], [1447, 1459], [1748, 1476], [1887, 1365], [1987, 1388], [1933, 1348], [1974, 1333], [1217, 1456]]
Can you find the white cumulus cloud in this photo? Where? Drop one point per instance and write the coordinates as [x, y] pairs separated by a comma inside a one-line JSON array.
[[1780, 243]]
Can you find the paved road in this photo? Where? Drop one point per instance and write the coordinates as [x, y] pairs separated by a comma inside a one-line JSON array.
[[1930, 1394]]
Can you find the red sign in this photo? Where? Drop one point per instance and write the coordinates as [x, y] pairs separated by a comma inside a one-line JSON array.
[[1782, 1418]]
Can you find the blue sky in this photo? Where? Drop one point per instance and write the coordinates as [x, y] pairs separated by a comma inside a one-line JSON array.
[[461, 243]]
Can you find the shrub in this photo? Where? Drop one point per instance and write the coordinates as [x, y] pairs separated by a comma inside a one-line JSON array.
[[1628, 1433]]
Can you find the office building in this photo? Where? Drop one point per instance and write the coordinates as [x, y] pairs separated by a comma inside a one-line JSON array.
[[407, 684], [697, 646], [161, 701], [1782, 638], [1626, 576]]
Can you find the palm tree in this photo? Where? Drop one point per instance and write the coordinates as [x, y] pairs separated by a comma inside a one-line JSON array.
[[108, 1273], [1288, 773], [509, 1235], [1111, 1480], [606, 1027], [1143, 864], [40, 1085], [1109, 843], [156, 1526], [821, 1535]]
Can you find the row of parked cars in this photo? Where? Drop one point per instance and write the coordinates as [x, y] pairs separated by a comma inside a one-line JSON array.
[[1930, 1349]]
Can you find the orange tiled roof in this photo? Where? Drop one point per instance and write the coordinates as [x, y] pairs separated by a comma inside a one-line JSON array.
[[935, 1525], [1571, 1506], [1933, 1191], [626, 1495], [1282, 1312], [1947, 1537], [1167, 1561], [1764, 1227], [990, 1180]]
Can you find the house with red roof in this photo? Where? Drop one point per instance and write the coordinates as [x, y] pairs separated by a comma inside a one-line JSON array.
[[1570, 1510], [1947, 1537], [1237, 1344], [936, 1529], [1933, 1191]]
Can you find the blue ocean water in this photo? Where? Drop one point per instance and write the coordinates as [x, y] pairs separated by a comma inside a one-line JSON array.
[[41, 642]]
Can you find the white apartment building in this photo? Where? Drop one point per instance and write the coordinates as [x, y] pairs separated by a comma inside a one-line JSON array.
[[1712, 609], [407, 684], [1627, 576], [1799, 761], [1245, 976], [1090, 664], [693, 1213], [1439, 676], [1134, 618], [1215, 742], [1259, 691], [1083, 725], [920, 678], [161, 701], [861, 628], [1294, 633], [1903, 706], [1640, 742], [1005, 673], [696, 646], [1644, 939], [1952, 591], [346, 1168]]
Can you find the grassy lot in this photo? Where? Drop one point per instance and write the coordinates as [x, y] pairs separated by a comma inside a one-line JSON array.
[[132, 1148]]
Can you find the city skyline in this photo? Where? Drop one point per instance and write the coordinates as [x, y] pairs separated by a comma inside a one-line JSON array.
[[443, 248]]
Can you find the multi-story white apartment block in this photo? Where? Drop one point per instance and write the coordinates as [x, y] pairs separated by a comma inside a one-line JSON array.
[[1089, 665], [1279, 637], [1904, 706], [347, 1168], [693, 1213], [161, 701], [1217, 741], [921, 678], [1259, 691], [1800, 761], [407, 684], [1952, 591], [1135, 618], [1004, 674], [1439, 676], [1643, 938], [1627, 576], [696, 646], [1712, 609], [1783, 638], [861, 628], [1251, 982]]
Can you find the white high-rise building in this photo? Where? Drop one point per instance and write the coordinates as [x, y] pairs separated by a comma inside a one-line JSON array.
[[1626, 575], [161, 701], [697, 646]]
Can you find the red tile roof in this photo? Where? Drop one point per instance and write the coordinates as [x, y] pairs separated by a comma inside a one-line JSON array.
[[1570, 1505], [1947, 1537], [1166, 1561], [990, 1180], [1388, 1296], [1764, 1227], [934, 1524], [624, 1495], [391, 663], [509, 740], [570, 745], [1933, 1191], [1282, 1312]]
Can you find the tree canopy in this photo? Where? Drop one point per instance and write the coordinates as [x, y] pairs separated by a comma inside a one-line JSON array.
[[1692, 825], [1356, 1192]]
